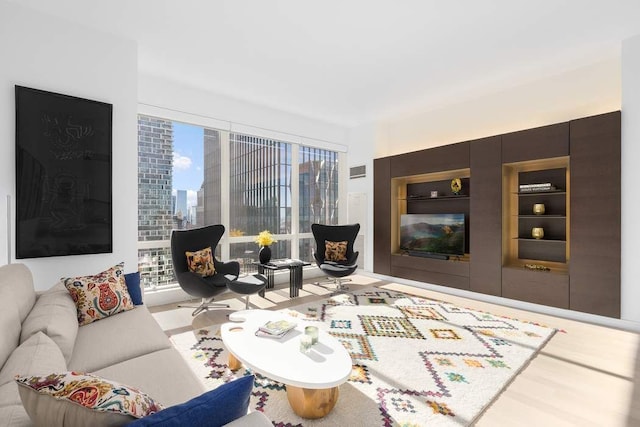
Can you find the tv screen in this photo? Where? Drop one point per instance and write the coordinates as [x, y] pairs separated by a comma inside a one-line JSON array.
[[433, 233]]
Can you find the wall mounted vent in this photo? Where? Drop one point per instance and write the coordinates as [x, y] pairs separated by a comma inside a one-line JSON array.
[[358, 172]]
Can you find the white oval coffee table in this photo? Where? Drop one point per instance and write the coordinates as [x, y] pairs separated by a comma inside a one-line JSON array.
[[311, 379]]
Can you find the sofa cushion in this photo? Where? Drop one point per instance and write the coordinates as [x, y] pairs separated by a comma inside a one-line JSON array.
[[15, 416], [54, 314], [16, 286], [75, 399], [99, 296], [133, 286], [214, 408], [125, 336], [10, 330], [17, 297], [154, 372], [37, 355]]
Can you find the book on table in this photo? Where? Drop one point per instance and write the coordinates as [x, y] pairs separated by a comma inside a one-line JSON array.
[[275, 328]]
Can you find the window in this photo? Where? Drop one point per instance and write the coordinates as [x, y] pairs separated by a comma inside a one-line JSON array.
[[183, 169]]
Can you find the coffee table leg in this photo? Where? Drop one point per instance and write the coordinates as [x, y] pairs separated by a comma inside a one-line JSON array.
[[234, 364], [312, 403]]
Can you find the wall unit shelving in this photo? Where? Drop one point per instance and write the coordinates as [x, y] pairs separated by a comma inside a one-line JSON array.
[[581, 244]]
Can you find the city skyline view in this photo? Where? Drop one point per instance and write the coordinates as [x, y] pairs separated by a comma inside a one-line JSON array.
[[188, 161]]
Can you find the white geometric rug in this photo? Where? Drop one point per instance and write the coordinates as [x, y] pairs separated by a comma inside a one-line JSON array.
[[416, 361]]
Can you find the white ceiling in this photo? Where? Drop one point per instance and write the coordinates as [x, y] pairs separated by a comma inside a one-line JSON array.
[[352, 61]]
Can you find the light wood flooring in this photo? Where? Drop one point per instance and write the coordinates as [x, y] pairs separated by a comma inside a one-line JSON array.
[[587, 375]]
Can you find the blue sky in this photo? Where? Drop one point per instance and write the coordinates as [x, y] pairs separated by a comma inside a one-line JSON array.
[[188, 170]]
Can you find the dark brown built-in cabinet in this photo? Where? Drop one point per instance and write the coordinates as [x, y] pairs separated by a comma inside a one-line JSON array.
[[577, 261]]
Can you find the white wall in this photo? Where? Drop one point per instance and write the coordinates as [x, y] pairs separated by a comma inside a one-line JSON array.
[[589, 90], [48, 53], [158, 92], [630, 189]]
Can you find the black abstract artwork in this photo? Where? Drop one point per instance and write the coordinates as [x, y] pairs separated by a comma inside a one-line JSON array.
[[63, 175]]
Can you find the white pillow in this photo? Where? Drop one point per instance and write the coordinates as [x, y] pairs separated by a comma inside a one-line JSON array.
[[37, 355], [54, 314]]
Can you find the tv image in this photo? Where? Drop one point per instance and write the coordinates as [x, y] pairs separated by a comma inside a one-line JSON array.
[[433, 234]]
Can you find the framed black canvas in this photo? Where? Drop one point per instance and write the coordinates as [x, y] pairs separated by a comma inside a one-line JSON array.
[[63, 175]]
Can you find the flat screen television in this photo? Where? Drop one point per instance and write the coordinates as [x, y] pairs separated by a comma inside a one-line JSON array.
[[437, 234]]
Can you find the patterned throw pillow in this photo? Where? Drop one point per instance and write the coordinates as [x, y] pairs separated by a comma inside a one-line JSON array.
[[201, 262], [99, 296], [71, 398], [335, 251]]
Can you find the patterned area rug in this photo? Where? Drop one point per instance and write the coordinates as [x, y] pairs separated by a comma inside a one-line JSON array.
[[416, 361]]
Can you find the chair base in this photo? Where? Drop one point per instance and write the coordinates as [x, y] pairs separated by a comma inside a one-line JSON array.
[[204, 305], [337, 282]]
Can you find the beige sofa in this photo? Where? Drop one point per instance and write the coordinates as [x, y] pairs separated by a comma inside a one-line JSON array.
[[39, 334]]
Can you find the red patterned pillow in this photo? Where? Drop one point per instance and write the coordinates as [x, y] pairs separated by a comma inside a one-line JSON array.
[[99, 296], [335, 251], [201, 262], [72, 398]]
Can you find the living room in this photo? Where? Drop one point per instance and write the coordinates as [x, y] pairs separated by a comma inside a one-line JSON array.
[[44, 50]]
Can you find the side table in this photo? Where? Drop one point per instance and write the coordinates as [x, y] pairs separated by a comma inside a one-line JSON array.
[[295, 273]]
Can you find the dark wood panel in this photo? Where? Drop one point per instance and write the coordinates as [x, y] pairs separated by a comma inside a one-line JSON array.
[[485, 217], [595, 215], [433, 277], [540, 287], [452, 267], [537, 143], [437, 159], [382, 216]]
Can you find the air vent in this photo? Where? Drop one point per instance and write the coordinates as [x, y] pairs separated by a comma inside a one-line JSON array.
[[358, 172]]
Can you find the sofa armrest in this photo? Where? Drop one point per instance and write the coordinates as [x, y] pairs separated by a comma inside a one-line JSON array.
[[252, 419]]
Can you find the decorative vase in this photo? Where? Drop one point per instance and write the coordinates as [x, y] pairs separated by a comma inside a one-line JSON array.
[[538, 209], [264, 255], [537, 232]]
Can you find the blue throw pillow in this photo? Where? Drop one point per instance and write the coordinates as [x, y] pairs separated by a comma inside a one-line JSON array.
[[214, 408], [133, 286]]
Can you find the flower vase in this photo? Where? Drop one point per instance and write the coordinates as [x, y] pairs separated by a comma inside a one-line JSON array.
[[264, 255]]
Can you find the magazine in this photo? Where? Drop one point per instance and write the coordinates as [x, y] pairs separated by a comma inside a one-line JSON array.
[[277, 327]]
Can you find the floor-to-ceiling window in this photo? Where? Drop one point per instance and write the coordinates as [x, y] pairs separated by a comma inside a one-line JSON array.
[[191, 175]]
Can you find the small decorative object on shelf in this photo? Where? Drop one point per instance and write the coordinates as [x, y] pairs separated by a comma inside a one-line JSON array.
[[456, 186], [537, 232], [434, 194], [264, 240], [538, 209], [530, 188], [536, 267]]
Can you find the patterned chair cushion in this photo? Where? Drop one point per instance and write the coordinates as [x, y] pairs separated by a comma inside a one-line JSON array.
[[201, 262], [335, 251], [99, 296], [75, 399]]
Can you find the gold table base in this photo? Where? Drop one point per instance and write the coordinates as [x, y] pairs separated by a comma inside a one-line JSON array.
[[305, 402]]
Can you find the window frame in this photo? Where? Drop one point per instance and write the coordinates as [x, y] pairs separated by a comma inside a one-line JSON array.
[[226, 128]]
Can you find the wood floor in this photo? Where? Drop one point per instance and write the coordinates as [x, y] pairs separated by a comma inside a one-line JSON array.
[[587, 375]]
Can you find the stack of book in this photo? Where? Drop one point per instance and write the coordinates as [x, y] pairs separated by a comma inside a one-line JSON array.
[[544, 186], [275, 328]]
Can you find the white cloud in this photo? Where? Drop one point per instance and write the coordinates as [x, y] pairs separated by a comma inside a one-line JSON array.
[[181, 162]]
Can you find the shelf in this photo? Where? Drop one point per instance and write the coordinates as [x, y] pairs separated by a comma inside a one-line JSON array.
[[538, 193], [530, 239], [541, 216], [427, 198]]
